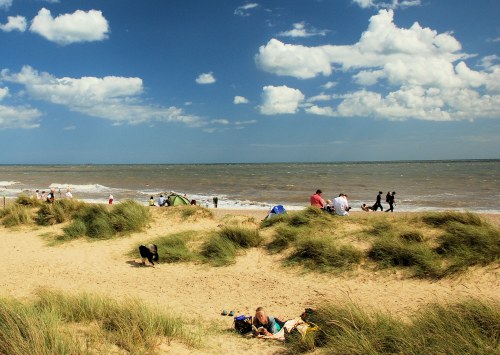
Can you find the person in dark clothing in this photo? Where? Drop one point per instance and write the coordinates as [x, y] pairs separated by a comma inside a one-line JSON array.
[[378, 202], [391, 200]]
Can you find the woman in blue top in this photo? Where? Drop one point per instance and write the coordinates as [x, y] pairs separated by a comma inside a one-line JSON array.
[[264, 324]]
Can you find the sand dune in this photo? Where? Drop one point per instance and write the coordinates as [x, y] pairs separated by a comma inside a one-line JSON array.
[[201, 291]]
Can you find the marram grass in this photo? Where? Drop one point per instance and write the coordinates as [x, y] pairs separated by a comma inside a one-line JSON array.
[[60, 324]]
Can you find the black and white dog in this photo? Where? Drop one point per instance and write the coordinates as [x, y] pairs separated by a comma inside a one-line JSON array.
[[149, 252]]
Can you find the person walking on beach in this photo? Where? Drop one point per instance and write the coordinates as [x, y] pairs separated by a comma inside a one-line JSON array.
[[69, 195], [110, 199], [216, 201], [316, 199], [391, 200], [378, 202]]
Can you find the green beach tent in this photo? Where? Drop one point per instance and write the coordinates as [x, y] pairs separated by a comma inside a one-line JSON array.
[[177, 200]]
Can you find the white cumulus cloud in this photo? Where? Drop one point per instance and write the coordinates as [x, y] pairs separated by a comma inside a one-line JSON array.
[[280, 100], [17, 116], [205, 78], [382, 4], [243, 10], [14, 23], [80, 26], [240, 100], [423, 71], [294, 60], [300, 30], [113, 98]]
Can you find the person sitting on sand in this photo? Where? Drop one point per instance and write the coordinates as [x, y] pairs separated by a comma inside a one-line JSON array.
[[341, 205], [152, 201], [264, 324], [316, 199]]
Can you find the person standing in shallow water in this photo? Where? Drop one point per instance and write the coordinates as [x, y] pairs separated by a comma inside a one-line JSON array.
[[378, 202], [391, 200], [216, 201]]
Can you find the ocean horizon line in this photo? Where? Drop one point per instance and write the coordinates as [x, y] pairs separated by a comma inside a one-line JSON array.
[[269, 163]]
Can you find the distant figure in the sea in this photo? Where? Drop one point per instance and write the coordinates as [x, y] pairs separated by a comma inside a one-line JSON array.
[[216, 201], [51, 197], [149, 252], [68, 194], [391, 201], [378, 202], [264, 324], [152, 201], [316, 199], [110, 199], [341, 205], [161, 200]]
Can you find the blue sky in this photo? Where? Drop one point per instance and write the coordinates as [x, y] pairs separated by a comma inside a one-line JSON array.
[[185, 81]]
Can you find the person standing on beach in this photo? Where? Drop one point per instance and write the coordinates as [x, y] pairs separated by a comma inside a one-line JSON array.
[[216, 201], [110, 199], [378, 202], [37, 194], [316, 199], [51, 196], [391, 200], [69, 195]]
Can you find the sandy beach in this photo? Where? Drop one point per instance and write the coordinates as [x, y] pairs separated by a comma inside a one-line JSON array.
[[201, 291]]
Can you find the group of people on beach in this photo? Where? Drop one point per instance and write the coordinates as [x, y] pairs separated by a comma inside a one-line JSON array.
[[340, 205], [50, 197]]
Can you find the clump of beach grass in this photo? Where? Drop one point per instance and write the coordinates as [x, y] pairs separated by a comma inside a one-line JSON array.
[[321, 254], [58, 212], [45, 326], [15, 215], [468, 245], [218, 251], [439, 219], [26, 200], [222, 247], [99, 222], [467, 327], [284, 237], [390, 252], [241, 237], [173, 248]]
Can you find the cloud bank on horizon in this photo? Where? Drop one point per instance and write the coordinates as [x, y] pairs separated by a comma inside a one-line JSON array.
[[304, 69]]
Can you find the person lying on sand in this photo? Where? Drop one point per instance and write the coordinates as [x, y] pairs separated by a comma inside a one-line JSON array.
[[264, 324], [366, 208]]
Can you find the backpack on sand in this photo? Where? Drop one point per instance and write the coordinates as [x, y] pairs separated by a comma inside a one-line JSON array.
[[243, 324]]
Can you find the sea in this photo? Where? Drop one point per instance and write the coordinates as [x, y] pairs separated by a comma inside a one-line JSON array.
[[464, 185]]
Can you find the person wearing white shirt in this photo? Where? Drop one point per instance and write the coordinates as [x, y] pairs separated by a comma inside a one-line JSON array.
[[341, 205]]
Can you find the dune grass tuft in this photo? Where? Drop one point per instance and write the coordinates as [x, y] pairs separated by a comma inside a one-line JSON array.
[[389, 252], [241, 237], [284, 236], [323, 255], [15, 215], [467, 327], [438, 219], [218, 251], [468, 245], [173, 248], [44, 327]]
